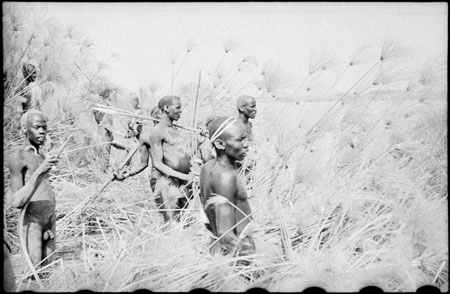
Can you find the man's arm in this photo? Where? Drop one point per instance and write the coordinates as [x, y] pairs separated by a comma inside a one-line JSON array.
[[143, 163], [244, 206], [225, 216], [203, 145], [22, 192], [157, 158]]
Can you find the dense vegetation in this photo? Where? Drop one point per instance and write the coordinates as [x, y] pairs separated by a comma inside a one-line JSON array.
[[348, 190]]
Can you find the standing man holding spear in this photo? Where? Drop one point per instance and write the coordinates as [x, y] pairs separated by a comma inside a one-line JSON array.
[[170, 155]]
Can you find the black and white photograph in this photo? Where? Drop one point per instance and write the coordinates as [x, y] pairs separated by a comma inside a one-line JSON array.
[[225, 146]]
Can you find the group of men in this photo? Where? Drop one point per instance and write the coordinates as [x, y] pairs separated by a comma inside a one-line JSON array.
[[222, 191]]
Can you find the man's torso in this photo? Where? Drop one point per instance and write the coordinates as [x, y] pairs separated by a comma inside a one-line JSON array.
[[248, 127], [210, 176], [42, 203], [175, 152]]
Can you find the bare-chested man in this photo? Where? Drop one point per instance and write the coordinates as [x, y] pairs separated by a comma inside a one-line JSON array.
[[222, 190], [169, 152], [205, 148], [246, 106], [29, 183], [134, 125], [31, 91], [144, 140]]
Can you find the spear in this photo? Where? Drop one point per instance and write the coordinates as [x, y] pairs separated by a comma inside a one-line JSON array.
[[109, 180], [196, 98], [194, 139], [194, 146], [113, 110], [85, 75], [83, 204], [111, 129]]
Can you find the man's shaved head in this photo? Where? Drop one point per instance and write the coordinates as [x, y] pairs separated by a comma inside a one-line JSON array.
[[229, 138], [246, 106], [34, 127], [221, 125], [134, 100], [243, 100], [26, 118], [167, 100], [209, 119]]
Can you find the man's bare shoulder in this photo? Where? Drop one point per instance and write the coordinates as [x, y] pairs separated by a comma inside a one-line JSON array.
[[17, 158], [220, 174], [157, 132], [145, 134], [228, 177]]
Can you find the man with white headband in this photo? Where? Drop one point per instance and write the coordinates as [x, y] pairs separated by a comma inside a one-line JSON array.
[[222, 191]]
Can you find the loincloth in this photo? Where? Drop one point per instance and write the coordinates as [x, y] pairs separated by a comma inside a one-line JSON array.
[[169, 189], [41, 212], [209, 206]]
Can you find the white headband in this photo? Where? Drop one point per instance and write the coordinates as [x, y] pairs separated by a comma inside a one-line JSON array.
[[222, 128]]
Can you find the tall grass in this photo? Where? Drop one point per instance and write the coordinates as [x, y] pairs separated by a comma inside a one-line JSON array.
[[341, 197]]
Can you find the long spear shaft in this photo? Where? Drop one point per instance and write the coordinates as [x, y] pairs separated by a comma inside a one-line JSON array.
[[104, 185], [196, 98], [85, 75], [113, 110], [194, 138], [122, 165]]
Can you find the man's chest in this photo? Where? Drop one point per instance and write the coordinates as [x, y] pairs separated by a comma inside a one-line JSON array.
[[248, 127], [173, 137], [31, 163]]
